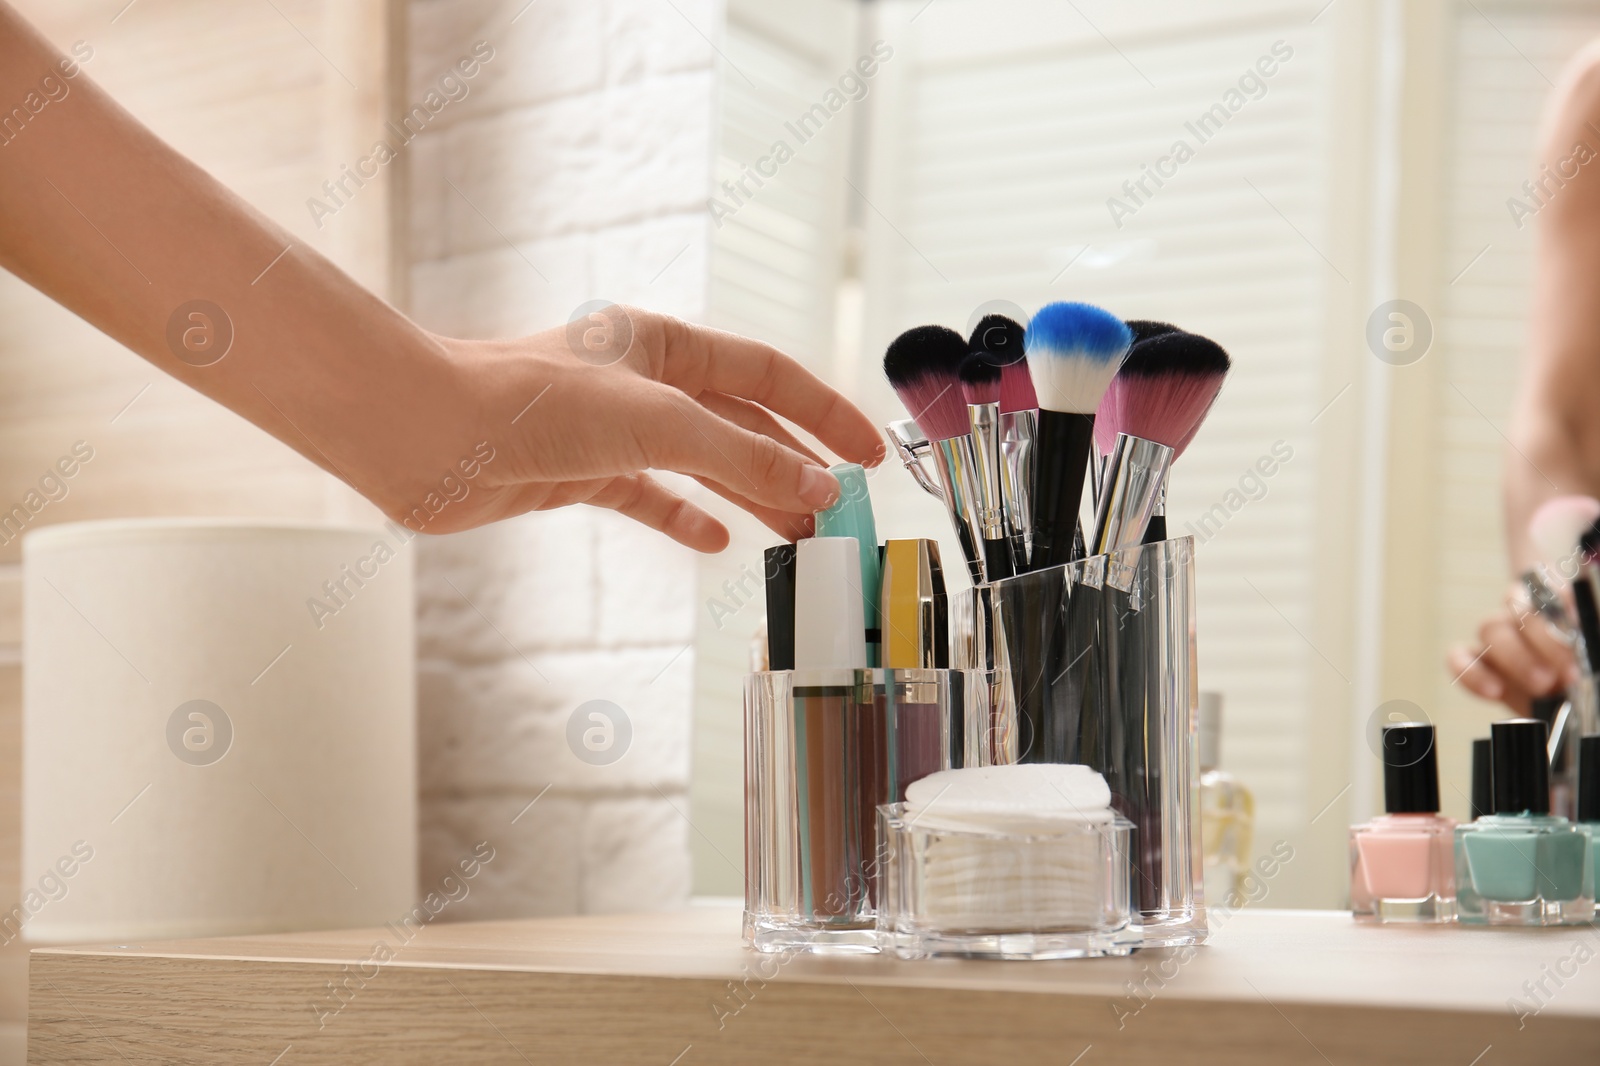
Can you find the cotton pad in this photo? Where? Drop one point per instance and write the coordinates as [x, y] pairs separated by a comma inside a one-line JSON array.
[[1023, 798]]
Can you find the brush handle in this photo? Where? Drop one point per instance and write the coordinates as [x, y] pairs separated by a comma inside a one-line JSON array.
[[1017, 432], [1129, 491], [954, 461], [1061, 458], [1156, 531], [984, 418], [1588, 605]]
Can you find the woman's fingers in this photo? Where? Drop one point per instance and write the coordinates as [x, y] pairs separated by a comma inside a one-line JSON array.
[[786, 524], [698, 358], [679, 434], [647, 501], [1508, 653], [1466, 665], [756, 419], [638, 496]]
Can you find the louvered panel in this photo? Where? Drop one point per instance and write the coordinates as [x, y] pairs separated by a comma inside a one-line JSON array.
[[774, 273], [1481, 333], [1010, 157]]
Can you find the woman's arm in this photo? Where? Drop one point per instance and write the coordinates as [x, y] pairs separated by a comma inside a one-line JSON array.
[[105, 218], [1555, 428]]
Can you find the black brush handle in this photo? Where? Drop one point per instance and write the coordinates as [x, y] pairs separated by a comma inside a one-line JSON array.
[[1156, 531], [997, 559], [1061, 456], [1583, 597]]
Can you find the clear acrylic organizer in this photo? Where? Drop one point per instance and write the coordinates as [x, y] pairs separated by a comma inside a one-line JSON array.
[[961, 892], [823, 750], [1094, 663]]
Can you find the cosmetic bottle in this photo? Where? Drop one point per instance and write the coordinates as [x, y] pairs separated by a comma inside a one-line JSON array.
[[1589, 798], [1522, 865], [1401, 867], [1482, 779], [1227, 812]]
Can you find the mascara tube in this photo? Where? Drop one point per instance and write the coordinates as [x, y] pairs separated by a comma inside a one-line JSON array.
[[851, 516]]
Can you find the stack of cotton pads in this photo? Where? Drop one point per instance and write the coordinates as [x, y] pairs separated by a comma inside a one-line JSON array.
[[1018, 847]]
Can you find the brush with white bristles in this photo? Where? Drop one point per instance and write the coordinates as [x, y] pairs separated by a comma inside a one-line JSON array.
[[1162, 393], [923, 366], [1073, 352]]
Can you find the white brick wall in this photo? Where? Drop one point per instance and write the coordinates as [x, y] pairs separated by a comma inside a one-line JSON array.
[[586, 144]]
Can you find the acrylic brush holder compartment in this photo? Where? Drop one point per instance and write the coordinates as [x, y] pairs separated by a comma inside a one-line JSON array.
[[824, 749], [1061, 893], [1094, 663]]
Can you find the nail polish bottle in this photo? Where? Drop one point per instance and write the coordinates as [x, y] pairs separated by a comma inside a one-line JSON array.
[[1522, 865], [1401, 869], [1482, 779], [1589, 797], [1227, 813]]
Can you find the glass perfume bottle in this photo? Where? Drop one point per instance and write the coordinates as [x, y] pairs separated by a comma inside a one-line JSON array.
[[1522, 865], [1401, 867], [1227, 812]]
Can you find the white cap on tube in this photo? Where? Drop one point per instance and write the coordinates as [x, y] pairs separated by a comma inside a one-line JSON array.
[[829, 631]]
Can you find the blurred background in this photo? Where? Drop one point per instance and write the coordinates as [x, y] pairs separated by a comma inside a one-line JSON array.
[[823, 175]]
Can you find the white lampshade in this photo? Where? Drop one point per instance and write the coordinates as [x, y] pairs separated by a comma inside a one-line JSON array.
[[223, 714]]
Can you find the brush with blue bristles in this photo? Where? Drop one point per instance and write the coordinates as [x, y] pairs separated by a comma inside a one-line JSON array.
[[1073, 352]]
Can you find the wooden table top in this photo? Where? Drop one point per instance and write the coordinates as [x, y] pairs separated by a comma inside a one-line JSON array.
[[678, 988]]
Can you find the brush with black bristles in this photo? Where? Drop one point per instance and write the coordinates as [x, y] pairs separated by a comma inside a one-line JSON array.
[[1073, 352], [1001, 339], [1163, 393], [980, 382], [923, 366]]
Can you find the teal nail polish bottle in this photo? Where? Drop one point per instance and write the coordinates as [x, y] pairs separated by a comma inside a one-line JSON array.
[[851, 516], [1589, 797], [1522, 865]]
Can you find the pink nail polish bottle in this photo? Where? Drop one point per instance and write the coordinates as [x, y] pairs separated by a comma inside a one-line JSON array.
[[1402, 864]]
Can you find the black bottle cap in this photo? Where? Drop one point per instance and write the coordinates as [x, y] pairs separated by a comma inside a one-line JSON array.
[[780, 607], [1589, 778], [1410, 769], [1482, 779], [1521, 766]]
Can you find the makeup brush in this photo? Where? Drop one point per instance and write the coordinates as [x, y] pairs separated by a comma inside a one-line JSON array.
[[1162, 393], [1145, 328], [980, 382], [1554, 531], [923, 366], [1586, 596], [1002, 340], [1073, 352]]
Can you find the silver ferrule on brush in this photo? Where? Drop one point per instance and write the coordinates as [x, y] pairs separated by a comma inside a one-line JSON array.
[[1545, 602], [912, 447], [956, 466], [991, 517], [1017, 430], [1131, 487]]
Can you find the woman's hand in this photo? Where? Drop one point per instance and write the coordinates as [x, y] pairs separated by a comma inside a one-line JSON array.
[[1517, 658], [579, 415]]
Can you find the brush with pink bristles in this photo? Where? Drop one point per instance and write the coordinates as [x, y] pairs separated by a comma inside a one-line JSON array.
[[1162, 393], [1001, 340], [923, 366]]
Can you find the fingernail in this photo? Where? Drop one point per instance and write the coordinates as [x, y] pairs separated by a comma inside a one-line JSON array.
[[878, 456], [1494, 690], [1542, 681], [818, 487]]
